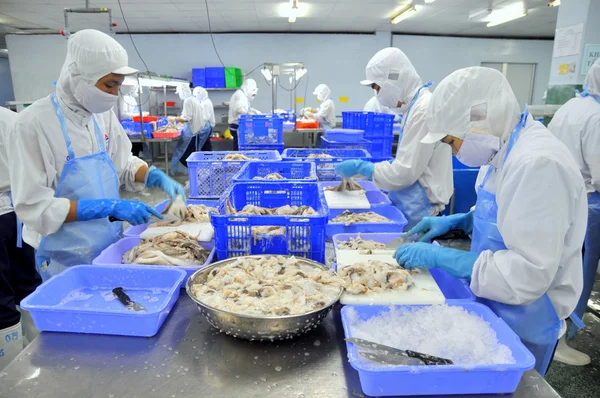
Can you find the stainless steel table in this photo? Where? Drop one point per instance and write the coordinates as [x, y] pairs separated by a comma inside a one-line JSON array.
[[165, 141], [188, 358]]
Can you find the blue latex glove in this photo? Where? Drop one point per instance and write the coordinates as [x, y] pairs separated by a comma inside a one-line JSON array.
[[132, 211], [349, 168], [457, 263], [157, 178], [430, 227]]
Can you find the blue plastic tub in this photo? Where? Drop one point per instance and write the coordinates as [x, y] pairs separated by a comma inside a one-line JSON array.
[[113, 255], [362, 144], [80, 300], [303, 171], [325, 167], [367, 185], [215, 77], [260, 129], [210, 174], [262, 147], [304, 235], [344, 135], [199, 77], [385, 380], [373, 124], [135, 230], [397, 225], [455, 290], [382, 146]]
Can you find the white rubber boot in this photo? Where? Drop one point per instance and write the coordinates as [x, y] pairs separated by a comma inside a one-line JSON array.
[[568, 355], [11, 344]]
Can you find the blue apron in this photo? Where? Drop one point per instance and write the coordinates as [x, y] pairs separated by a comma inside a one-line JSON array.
[[88, 177], [412, 200], [184, 141], [203, 135], [536, 323]]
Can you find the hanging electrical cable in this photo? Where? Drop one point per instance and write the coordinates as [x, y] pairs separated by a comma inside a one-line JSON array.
[[131, 38]]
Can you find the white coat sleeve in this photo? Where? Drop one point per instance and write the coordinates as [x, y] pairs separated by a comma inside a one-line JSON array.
[[119, 149], [324, 110], [412, 156], [590, 147], [241, 104], [33, 174], [534, 210], [187, 113]]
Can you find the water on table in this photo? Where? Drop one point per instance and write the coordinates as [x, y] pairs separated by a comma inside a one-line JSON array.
[[102, 298]]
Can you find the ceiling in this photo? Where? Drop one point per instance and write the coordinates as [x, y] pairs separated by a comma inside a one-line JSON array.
[[443, 17]]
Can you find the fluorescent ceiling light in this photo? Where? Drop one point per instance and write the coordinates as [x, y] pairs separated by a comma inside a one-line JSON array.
[[507, 14], [429, 1], [554, 3], [506, 18], [405, 12], [300, 73], [266, 72], [294, 11]]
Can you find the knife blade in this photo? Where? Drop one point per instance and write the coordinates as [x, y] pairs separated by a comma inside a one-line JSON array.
[[166, 217], [395, 354], [390, 359], [126, 301], [401, 241]]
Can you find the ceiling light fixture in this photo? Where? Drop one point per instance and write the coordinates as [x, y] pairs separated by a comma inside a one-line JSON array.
[[429, 1], [554, 3], [266, 72], [293, 11], [405, 12], [508, 14]]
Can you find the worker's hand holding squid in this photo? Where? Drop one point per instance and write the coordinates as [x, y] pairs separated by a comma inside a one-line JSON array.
[[157, 178], [457, 263], [349, 168], [132, 211], [430, 227]]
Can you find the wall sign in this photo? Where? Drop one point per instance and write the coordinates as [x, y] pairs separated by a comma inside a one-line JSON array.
[[590, 55]]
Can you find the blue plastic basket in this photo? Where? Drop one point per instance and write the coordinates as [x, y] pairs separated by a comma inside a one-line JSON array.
[[374, 124], [113, 255], [362, 144], [135, 230], [344, 135], [80, 300], [455, 290], [199, 77], [382, 146], [215, 77], [304, 235], [260, 129], [397, 225], [325, 167], [303, 171], [211, 175], [385, 380], [262, 147]]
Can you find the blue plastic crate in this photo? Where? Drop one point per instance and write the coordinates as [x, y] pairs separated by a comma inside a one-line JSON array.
[[362, 144], [215, 77], [325, 166], [304, 235], [210, 174], [134, 231], [345, 135], [385, 380], [260, 129], [262, 147], [199, 77], [397, 225], [287, 116], [382, 146], [80, 300], [374, 124], [303, 171]]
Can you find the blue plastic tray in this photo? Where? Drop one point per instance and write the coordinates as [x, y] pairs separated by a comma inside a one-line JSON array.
[[391, 212], [211, 175], [379, 380], [361, 144], [260, 129], [304, 237], [303, 171], [80, 300], [345, 135], [135, 230], [113, 255], [325, 167]]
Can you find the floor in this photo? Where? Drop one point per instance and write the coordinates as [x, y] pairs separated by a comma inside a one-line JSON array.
[[569, 381]]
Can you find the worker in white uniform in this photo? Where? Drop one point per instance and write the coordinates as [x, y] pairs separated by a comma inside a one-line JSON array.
[[192, 117], [325, 114], [577, 125], [373, 105], [68, 155], [203, 138], [240, 105], [18, 275], [530, 217], [128, 109], [420, 179]]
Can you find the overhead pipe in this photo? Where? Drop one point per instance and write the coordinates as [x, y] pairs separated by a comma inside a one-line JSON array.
[[87, 10]]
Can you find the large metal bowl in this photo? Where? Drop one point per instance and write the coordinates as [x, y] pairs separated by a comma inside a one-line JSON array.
[[252, 327]]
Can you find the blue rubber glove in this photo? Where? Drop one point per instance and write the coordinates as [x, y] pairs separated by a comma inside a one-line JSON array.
[[349, 168], [132, 211], [430, 227], [157, 178], [457, 263]]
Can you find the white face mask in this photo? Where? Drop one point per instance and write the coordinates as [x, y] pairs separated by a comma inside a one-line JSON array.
[[478, 149], [387, 96], [93, 99]]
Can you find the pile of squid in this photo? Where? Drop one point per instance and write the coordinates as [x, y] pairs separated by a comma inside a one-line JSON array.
[[347, 184], [348, 218], [191, 214], [375, 276], [237, 156], [363, 246], [173, 248]]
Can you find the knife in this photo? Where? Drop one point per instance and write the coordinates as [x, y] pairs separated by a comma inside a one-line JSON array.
[[396, 243], [391, 355], [126, 301], [166, 217]]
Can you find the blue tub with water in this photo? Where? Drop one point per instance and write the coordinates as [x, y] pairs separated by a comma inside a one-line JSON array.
[[80, 300]]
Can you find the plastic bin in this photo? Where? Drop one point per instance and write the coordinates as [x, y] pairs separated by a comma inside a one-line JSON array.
[[455, 290], [165, 134], [210, 175], [80, 300], [344, 135], [385, 380], [362, 144], [374, 124], [397, 225], [307, 125], [304, 235], [145, 119], [135, 230], [262, 147], [302, 171], [215, 77], [381, 147], [260, 129], [233, 77], [113, 255], [199, 77], [325, 166]]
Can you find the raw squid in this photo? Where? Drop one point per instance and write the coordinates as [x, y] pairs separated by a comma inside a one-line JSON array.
[[375, 276], [193, 214], [363, 246], [172, 248], [347, 184], [237, 156], [347, 218]]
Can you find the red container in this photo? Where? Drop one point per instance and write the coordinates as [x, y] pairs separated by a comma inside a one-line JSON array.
[[307, 125], [169, 103], [146, 119], [165, 134]]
